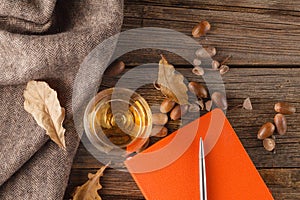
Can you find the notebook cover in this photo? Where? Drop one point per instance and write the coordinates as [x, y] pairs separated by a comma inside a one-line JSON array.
[[168, 171]]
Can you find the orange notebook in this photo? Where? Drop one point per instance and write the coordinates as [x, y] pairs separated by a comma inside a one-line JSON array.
[[169, 169]]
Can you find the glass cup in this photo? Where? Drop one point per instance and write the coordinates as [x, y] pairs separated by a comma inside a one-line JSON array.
[[118, 119]]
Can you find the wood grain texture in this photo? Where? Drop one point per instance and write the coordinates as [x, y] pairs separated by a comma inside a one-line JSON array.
[[283, 183], [265, 87], [277, 5], [253, 35], [263, 38]]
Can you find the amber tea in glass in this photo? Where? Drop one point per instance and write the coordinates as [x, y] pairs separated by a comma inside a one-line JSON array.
[[118, 118]]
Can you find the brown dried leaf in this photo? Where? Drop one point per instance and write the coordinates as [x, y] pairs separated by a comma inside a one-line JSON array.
[[247, 104], [89, 190], [42, 103], [171, 83]]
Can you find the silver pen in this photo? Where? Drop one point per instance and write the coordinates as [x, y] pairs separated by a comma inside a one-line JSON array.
[[202, 172]]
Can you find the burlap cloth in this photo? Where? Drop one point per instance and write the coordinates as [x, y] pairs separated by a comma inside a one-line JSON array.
[[43, 40]]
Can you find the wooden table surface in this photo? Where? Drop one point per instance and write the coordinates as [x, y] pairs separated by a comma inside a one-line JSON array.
[[263, 38]]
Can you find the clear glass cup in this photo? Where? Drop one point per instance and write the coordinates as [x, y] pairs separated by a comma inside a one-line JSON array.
[[118, 119]]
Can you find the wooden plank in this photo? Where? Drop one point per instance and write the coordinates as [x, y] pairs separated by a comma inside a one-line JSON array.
[[130, 23], [264, 86], [283, 183], [278, 5], [116, 184], [287, 155], [252, 38], [256, 33]]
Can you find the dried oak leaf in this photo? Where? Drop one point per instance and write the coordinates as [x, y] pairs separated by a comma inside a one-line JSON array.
[[42, 103], [247, 104], [171, 83], [89, 190]]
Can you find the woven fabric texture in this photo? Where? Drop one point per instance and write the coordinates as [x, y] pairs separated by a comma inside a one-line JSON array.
[[44, 40]]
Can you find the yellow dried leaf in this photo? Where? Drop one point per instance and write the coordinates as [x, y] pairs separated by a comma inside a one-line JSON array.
[[171, 83], [42, 103], [89, 190]]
